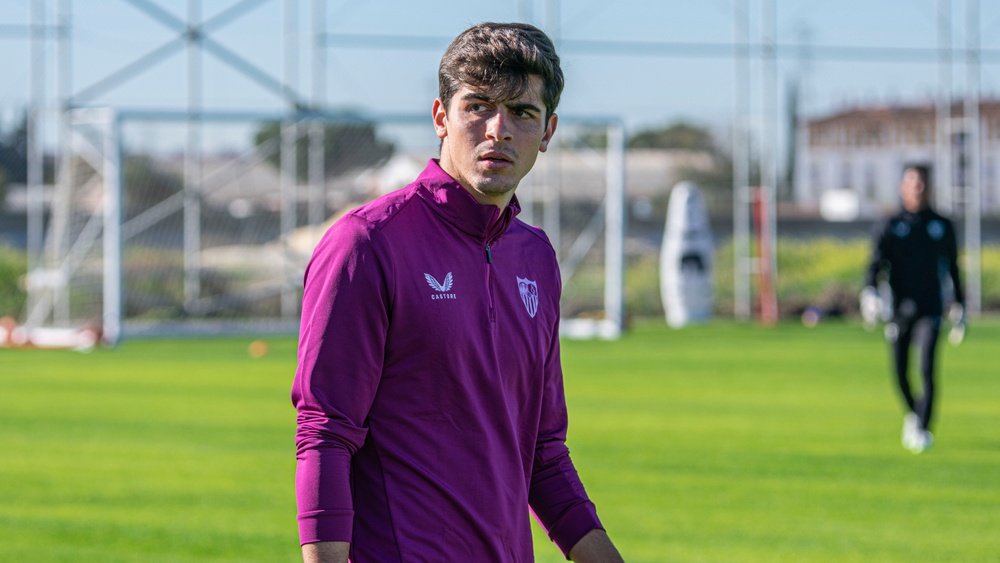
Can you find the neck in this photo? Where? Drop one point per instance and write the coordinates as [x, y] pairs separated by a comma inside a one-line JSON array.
[[501, 200]]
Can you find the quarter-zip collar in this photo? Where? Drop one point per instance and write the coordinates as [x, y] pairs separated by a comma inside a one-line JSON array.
[[457, 206]]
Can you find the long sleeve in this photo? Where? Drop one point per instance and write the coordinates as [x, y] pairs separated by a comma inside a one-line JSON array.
[[341, 349], [879, 256], [557, 496], [952, 257]]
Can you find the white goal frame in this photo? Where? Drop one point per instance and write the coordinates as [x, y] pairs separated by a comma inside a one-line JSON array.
[[49, 292]]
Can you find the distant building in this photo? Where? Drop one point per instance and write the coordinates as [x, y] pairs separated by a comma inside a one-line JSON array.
[[859, 154]]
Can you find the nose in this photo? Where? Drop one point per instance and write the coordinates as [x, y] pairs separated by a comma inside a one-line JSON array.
[[496, 127]]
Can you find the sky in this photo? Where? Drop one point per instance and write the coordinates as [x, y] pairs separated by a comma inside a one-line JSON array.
[[382, 56]]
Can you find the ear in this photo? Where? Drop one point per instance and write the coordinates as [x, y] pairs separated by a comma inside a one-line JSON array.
[[549, 131], [440, 117]]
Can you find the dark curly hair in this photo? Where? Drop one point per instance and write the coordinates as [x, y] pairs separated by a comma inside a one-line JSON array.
[[499, 57]]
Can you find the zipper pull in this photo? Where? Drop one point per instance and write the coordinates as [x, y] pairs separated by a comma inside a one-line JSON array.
[[489, 254]]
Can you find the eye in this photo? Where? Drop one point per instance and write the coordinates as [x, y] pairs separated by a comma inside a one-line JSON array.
[[524, 112]]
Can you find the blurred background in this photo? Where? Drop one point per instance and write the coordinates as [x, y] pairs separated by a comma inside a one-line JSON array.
[[167, 166]]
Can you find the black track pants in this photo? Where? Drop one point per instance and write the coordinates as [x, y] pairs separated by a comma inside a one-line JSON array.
[[923, 332]]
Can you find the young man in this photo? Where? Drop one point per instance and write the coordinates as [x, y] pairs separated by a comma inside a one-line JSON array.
[[916, 247], [430, 402]]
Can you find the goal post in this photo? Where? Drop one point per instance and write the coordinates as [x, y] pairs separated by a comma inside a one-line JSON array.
[[127, 264]]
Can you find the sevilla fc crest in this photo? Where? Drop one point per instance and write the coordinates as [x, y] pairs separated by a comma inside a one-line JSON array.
[[529, 295]]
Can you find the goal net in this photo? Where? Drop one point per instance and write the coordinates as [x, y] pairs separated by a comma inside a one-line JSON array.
[[165, 226]]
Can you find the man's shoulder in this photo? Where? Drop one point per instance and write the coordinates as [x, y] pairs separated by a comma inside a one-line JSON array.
[[381, 211], [935, 216], [531, 234], [940, 227], [883, 225], [361, 225]]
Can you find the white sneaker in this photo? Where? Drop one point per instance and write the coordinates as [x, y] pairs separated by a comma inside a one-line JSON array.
[[924, 441], [911, 431], [919, 442]]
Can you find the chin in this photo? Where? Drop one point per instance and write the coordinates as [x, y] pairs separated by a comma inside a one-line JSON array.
[[494, 186], [494, 191]]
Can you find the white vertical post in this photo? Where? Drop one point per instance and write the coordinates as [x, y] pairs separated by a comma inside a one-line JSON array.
[[769, 151], [61, 202], [317, 136], [192, 163], [741, 160], [113, 266], [525, 13], [973, 182], [289, 162], [527, 194], [614, 233], [944, 190], [35, 188], [551, 213]]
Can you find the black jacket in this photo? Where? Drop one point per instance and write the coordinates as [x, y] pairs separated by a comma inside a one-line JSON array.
[[920, 254]]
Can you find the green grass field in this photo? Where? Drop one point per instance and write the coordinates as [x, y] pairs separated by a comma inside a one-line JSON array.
[[725, 442]]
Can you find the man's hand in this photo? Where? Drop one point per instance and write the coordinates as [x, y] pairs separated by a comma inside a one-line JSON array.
[[326, 552], [595, 547], [957, 317], [871, 307]]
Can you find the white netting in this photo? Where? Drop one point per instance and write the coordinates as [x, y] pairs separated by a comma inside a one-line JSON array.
[[219, 242]]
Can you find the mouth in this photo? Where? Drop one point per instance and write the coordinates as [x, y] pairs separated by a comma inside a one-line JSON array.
[[496, 158]]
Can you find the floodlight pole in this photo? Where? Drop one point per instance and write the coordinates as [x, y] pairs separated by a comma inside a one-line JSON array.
[[973, 182], [551, 213], [317, 135], [944, 184], [113, 270], [527, 193], [741, 159], [614, 230], [525, 11], [58, 242], [769, 158], [35, 188], [289, 162], [192, 163]]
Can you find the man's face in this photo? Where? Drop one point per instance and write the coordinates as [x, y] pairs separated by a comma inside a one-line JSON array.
[[913, 191], [488, 145]]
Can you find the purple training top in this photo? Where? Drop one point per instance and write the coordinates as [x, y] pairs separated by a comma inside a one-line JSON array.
[[429, 390]]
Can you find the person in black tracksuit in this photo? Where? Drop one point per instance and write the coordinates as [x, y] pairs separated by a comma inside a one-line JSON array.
[[917, 249]]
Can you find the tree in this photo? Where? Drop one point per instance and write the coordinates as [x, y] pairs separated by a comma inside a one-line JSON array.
[[147, 184], [792, 123], [683, 136], [679, 135], [592, 138], [3, 188], [13, 157], [349, 144]]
